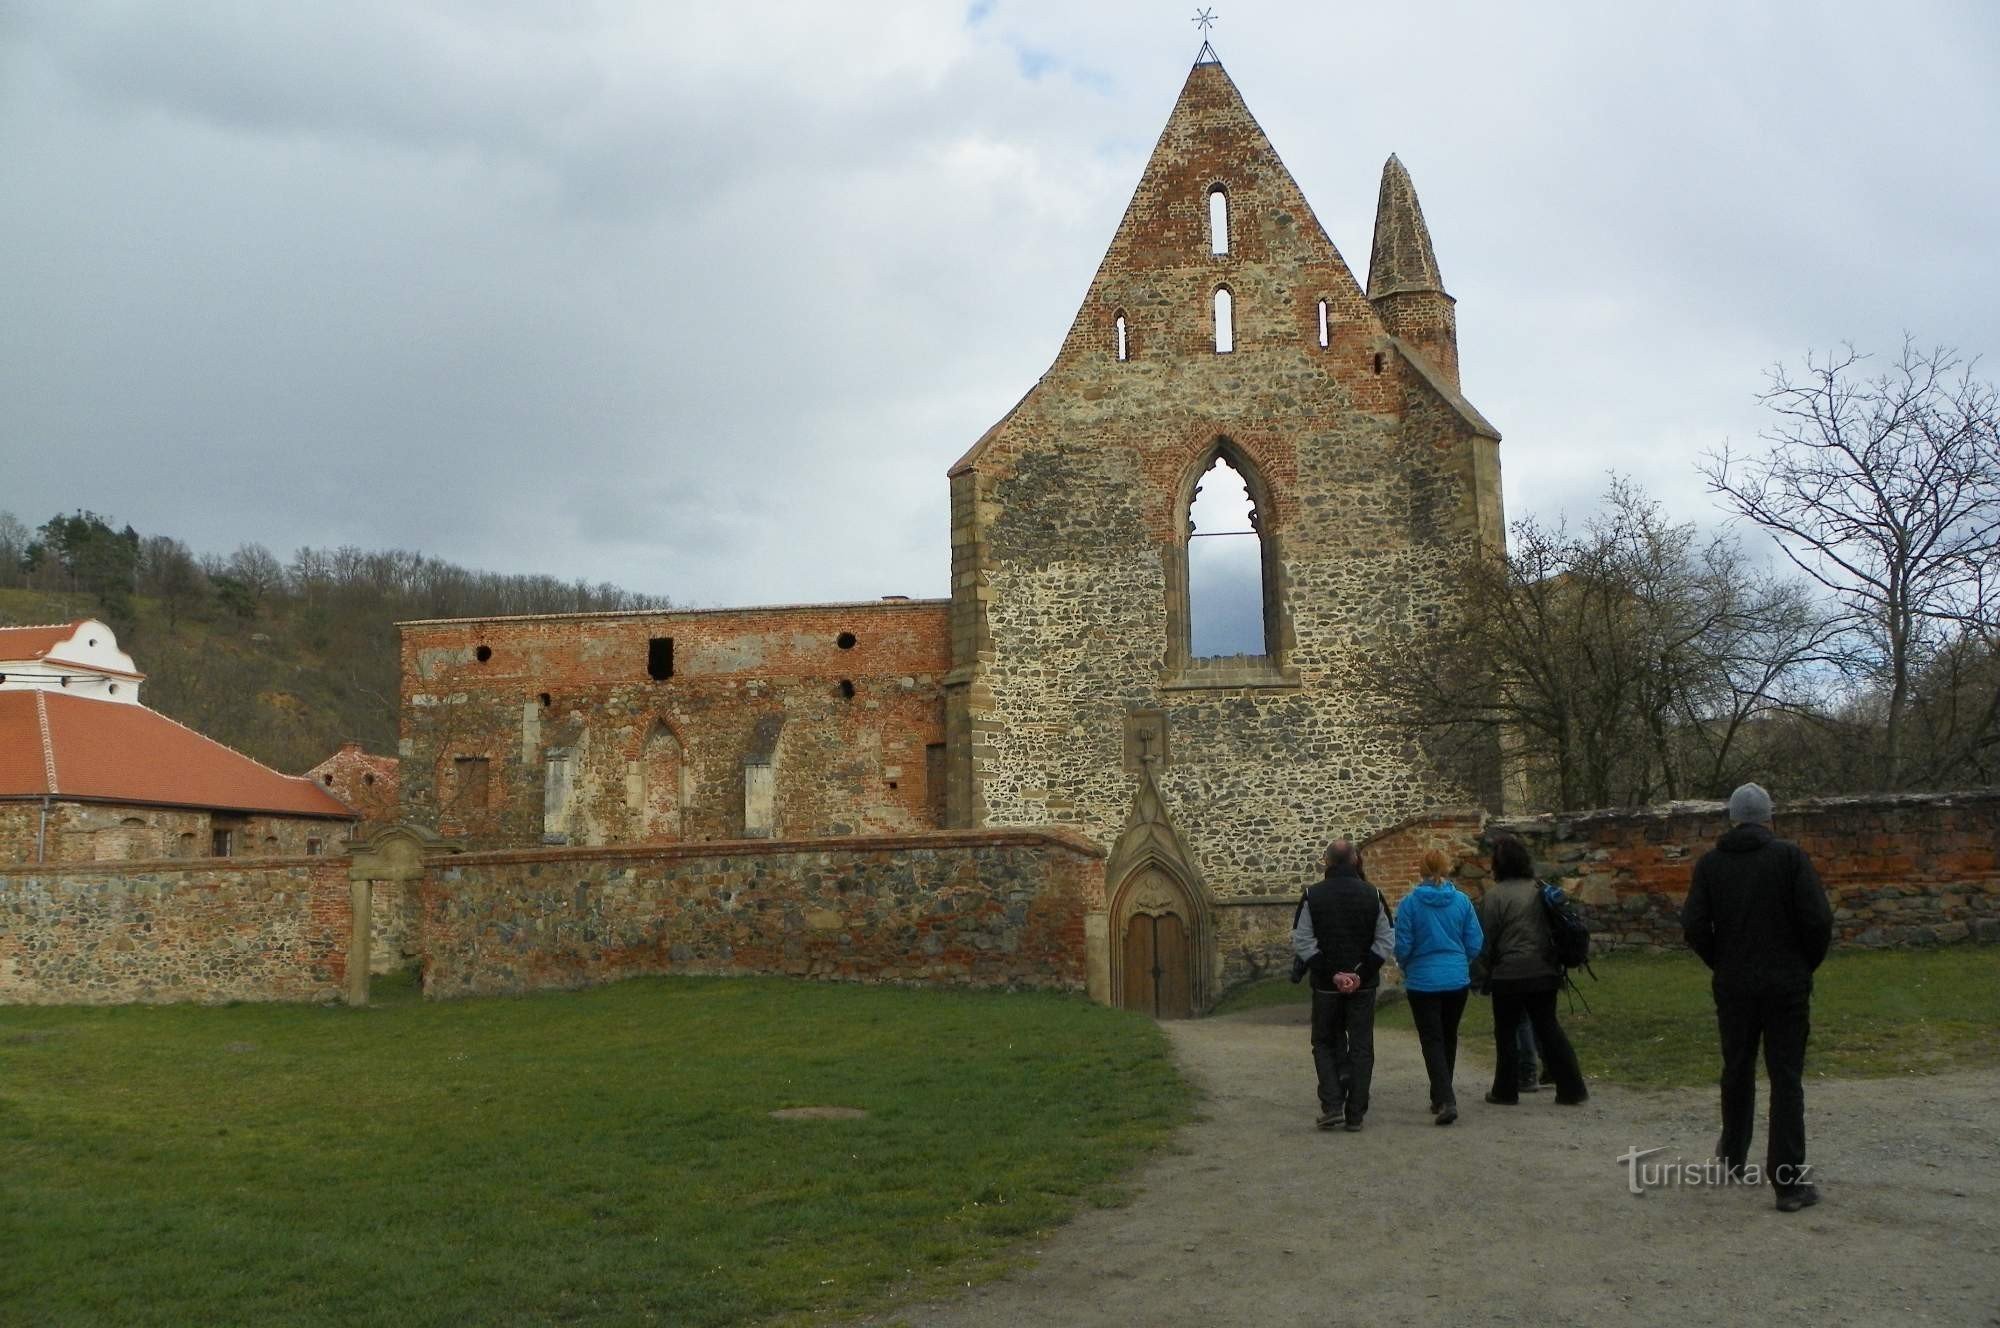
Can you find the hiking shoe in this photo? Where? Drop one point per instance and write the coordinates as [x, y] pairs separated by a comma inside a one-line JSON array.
[[1531, 1085], [1805, 1196], [1448, 1115], [1499, 1101], [1327, 1120], [1353, 1126], [1576, 1101]]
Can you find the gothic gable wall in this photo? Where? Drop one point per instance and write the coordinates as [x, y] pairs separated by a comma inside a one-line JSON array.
[[1069, 520]]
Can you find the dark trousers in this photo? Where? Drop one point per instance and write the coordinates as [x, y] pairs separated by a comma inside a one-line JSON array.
[[1558, 1057], [1782, 1022], [1524, 1045], [1344, 1050], [1436, 1015]]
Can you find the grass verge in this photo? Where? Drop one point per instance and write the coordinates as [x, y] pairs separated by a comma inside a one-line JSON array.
[[605, 1156], [1651, 1021]]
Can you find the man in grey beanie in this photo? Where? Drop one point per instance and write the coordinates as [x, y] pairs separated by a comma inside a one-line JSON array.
[[1758, 917]]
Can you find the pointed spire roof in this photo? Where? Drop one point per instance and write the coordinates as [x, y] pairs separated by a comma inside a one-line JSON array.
[[1402, 259]]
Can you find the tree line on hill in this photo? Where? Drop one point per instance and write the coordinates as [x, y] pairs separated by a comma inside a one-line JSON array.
[[281, 660]]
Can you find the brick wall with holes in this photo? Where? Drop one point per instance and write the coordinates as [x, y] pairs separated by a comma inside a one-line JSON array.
[[110, 832], [598, 729], [366, 782], [1371, 479], [203, 931], [1900, 869], [976, 908]]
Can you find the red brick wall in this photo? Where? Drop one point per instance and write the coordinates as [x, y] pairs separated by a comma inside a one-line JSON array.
[[365, 782], [846, 730], [208, 930], [973, 908], [1899, 869]]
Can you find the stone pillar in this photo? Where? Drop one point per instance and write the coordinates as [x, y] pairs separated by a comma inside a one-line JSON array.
[[361, 896]]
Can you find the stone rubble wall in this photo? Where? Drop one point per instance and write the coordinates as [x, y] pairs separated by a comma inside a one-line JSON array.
[[77, 831], [1899, 869], [204, 931], [978, 908]]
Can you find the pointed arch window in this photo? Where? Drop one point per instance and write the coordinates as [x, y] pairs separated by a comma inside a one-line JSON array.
[[1124, 346], [1218, 219], [1225, 321], [1322, 325], [1227, 619]]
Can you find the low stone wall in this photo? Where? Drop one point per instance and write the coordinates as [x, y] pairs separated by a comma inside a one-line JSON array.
[[203, 930], [1905, 869], [971, 908], [1253, 941]]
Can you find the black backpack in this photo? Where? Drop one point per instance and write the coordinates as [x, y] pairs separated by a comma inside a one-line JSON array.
[[1569, 934]]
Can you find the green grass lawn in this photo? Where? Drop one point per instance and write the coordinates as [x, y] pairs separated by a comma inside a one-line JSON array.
[[592, 1157], [1651, 1022]]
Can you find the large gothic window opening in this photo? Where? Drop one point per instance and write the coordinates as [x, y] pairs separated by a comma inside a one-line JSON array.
[[1225, 567]]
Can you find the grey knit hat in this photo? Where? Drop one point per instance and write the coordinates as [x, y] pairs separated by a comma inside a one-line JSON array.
[[1750, 805]]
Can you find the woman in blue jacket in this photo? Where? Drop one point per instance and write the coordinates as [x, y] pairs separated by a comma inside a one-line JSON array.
[[1437, 936]]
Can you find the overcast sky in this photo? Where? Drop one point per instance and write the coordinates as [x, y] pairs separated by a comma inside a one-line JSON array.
[[704, 299]]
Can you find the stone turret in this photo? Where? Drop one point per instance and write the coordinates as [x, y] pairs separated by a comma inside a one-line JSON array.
[[1403, 279]]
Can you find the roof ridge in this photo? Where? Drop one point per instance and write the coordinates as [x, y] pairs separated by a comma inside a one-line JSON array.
[[48, 745], [43, 627]]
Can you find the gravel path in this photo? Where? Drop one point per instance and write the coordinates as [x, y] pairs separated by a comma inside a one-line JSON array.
[[1516, 1215]]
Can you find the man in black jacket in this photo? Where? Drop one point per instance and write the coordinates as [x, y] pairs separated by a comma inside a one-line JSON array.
[[1758, 917], [1342, 930]]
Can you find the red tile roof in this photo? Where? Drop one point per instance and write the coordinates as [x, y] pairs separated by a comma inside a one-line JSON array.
[[67, 746], [35, 642]]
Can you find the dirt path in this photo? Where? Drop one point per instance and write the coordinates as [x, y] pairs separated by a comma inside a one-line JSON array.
[[1516, 1215]]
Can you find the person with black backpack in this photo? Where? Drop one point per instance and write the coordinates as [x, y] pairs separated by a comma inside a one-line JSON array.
[[1520, 969]]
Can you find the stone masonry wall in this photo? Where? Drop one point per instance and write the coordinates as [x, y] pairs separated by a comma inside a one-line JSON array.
[[111, 832], [839, 705], [1069, 523], [207, 930], [978, 908], [1899, 869]]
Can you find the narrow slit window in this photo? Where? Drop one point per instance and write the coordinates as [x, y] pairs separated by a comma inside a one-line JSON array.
[[1124, 349], [1218, 220], [1225, 321], [1322, 324], [1225, 567], [660, 658]]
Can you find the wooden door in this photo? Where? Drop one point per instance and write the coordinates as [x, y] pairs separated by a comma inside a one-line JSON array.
[[1156, 966]]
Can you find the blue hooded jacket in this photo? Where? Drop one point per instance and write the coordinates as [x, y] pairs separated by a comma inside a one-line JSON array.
[[1437, 935]]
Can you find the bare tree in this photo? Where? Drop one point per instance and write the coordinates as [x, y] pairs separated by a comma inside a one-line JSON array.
[[1886, 491], [169, 573], [1617, 665]]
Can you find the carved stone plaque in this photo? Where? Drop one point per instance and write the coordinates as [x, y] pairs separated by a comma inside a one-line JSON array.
[[1145, 739]]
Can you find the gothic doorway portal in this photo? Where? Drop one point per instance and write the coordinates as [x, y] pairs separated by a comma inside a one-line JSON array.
[[1157, 961]]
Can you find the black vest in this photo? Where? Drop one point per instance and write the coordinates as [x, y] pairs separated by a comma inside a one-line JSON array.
[[1343, 911]]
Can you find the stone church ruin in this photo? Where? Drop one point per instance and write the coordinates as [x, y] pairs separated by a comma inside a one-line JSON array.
[[1061, 686]]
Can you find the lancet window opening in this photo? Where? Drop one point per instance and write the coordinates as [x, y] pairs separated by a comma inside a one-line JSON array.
[[1124, 346], [1218, 219], [1225, 321], [1226, 563]]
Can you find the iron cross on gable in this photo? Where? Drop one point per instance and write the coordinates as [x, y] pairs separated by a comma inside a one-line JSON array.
[[1204, 19]]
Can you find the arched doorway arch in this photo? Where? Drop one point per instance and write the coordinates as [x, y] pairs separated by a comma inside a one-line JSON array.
[[1155, 962]]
